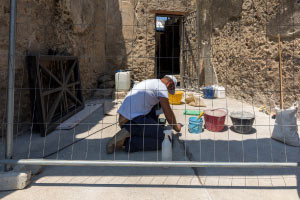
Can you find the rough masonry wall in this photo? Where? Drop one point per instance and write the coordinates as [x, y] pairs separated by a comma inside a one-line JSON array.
[[212, 16], [245, 52], [106, 35], [72, 27], [130, 40]]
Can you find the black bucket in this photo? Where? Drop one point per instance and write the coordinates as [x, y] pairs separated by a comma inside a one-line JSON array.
[[242, 121]]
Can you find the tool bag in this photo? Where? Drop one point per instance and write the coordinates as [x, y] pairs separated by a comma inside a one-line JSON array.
[[286, 129]]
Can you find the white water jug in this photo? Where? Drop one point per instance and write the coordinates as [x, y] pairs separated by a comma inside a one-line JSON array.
[[166, 152], [122, 80], [219, 92]]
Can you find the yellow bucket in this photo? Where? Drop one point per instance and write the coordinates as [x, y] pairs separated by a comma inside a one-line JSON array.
[[176, 98]]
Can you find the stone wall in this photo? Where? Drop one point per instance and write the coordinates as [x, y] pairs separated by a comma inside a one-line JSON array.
[[236, 40], [213, 15], [245, 52], [136, 27], [72, 27], [106, 35]]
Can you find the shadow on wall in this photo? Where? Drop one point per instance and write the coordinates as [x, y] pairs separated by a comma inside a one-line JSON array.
[[116, 28], [286, 23], [214, 15], [75, 27], [191, 61]]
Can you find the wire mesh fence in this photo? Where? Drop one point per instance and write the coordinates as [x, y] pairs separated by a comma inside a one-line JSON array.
[[77, 47]]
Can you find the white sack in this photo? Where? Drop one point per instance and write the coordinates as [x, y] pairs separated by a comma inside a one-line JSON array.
[[286, 129]]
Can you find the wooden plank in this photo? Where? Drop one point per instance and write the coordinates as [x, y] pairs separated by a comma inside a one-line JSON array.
[[52, 75], [74, 97], [280, 73], [70, 72], [51, 91], [56, 58], [53, 108], [39, 91], [66, 101], [78, 87], [167, 12]]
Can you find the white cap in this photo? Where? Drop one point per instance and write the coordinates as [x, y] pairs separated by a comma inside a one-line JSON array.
[[173, 78]]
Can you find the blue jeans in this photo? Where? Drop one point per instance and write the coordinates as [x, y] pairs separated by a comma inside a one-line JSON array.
[[146, 133]]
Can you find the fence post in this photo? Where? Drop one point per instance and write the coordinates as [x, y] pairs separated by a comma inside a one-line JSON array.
[[11, 82]]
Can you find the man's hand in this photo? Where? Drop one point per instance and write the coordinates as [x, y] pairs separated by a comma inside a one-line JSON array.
[[164, 102], [177, 127]]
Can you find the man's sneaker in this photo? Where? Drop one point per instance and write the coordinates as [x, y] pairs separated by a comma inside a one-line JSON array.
[[117, 141]]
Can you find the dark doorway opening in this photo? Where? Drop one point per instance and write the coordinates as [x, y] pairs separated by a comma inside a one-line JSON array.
[[167, 54]]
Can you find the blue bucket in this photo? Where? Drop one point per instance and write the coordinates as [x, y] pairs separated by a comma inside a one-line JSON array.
[[195, 126], [209, 92]]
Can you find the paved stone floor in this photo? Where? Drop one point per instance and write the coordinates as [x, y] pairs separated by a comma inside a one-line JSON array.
[[58, 182]]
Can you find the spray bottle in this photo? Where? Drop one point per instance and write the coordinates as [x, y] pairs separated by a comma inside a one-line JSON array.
[[166, 153]]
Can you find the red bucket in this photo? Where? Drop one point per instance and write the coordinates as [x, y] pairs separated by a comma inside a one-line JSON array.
[[215, 119]]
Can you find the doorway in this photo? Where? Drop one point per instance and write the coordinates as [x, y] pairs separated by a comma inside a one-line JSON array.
[[167, 51]]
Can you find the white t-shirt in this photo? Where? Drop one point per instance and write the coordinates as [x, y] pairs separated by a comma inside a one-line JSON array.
[[141, 99]]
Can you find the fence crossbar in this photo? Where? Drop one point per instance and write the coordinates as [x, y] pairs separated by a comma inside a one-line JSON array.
[[112, 163]]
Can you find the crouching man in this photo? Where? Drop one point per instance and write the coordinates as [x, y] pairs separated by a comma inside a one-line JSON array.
[[138, 116]]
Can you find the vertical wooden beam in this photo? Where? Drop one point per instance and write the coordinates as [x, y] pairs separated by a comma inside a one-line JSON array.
[[280, 72], [181, 54]]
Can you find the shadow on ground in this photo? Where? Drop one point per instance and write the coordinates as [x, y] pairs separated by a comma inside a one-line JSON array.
[[87, 142]]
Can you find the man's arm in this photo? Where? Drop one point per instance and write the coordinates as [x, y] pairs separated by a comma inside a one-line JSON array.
[[164, 102]]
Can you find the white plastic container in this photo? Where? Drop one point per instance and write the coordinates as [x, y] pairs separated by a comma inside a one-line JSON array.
[[219, 92], [122, 80], [166, 150]]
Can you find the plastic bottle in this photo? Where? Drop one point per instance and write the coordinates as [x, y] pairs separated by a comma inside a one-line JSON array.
[[122, 80], [166, 153]]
